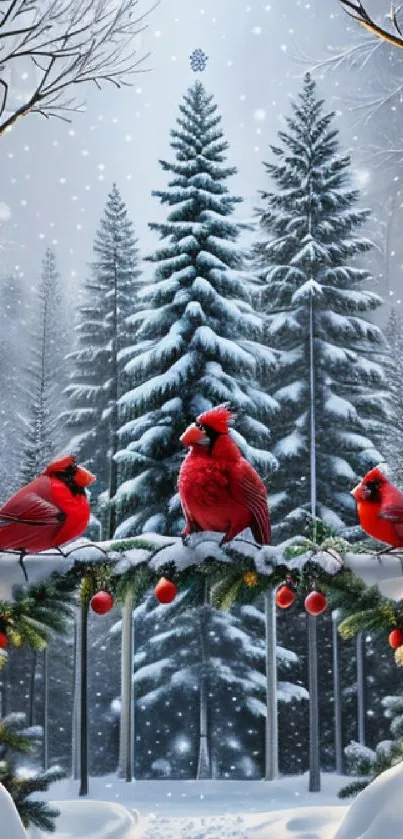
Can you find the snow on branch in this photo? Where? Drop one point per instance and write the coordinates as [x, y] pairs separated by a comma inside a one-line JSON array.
[[56, 45], [361, 54], [158, 552]]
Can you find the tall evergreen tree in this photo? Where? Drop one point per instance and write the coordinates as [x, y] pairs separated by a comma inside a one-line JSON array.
[[15, 306], [393, 441], [330, 382], [97, 378], [43, 435], [197, 335]]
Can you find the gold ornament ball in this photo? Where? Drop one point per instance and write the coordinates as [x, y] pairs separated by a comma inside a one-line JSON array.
[[250, 579], [16, 639], [399, 656]]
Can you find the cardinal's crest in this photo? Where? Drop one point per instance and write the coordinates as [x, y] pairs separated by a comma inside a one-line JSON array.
[[60, 465], [218, 418]]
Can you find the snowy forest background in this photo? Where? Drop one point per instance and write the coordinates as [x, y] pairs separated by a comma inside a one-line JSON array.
[[125, 315]]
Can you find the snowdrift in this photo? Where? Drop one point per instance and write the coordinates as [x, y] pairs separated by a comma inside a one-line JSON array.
[[10, 823], [377, 813]]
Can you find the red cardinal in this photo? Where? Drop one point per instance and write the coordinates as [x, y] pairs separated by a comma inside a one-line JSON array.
[[380, 508], [48, 512], [219, 490]]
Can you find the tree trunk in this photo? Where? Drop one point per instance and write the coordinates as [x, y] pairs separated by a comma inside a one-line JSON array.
[[7, 676], [125, 768], [338, 728], [391, 215], [314, 759], [75, 740], [312, 456], [113, 470], [83, 702], [32, 689], [361, 688], [314, 754], [271, 751], [204, 758], [46, 708]]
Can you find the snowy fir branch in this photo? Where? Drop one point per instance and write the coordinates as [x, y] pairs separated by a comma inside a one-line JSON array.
[[17, 740], [369, 763]]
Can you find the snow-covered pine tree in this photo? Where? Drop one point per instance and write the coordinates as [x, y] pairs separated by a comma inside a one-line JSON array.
[[196, 333], [15, 305], [290, 710], [372, 762], [188, 655], [97, 377], [330, 382], [393, 442], [44, 430]]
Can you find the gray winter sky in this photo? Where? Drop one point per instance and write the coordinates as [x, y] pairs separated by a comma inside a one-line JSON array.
[[56, 177]]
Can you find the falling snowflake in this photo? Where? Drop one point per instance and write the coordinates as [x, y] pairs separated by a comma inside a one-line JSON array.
[[198, 61]]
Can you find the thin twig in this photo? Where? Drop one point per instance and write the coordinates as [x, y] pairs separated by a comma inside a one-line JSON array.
[[70, 43]]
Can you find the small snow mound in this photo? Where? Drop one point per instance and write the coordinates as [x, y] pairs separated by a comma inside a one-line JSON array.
[[308, 821], [93, 820]]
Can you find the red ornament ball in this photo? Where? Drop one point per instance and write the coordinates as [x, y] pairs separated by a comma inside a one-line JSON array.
[[395, 638], [165, 590], [285, 596], [102, 602], [3, 640], [315, 603]]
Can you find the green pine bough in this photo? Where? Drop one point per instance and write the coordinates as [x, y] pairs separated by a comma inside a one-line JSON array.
[[237, 571], [17, 740]]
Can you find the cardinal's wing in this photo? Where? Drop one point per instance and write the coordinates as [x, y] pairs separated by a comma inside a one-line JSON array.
[[32, 505], [393, 512], [249, 490]]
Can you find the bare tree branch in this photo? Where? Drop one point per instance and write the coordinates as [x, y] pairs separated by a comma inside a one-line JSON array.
[[356, 10], [355, 55], [65, 43], [386, 91]]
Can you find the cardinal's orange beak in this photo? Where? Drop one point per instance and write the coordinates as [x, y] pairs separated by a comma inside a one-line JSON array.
[[360, 492], [83, 478], [194, 435]]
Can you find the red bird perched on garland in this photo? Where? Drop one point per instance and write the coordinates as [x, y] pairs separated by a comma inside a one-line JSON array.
[[48, 512], [380, 508], [219, 490]]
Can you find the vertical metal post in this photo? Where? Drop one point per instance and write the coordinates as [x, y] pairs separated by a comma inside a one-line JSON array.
[[83, 702], [46, 708], [361, 689], [126, 699], [338, 729], [314, 757], [271, 743]]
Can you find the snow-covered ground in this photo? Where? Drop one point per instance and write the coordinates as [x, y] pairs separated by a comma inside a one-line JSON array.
[[282, 809]]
